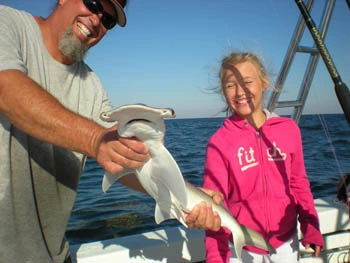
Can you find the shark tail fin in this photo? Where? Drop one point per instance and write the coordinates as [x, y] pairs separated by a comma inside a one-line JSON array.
[[253, 238]]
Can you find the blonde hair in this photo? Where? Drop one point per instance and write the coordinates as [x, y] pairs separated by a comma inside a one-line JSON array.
[[235, 58]]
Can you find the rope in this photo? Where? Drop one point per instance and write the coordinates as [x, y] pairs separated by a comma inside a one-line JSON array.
[[326, 130]]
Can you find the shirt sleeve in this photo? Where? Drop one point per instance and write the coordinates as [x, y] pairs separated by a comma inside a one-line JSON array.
[[106, 105], [307, 214], [11, 56]]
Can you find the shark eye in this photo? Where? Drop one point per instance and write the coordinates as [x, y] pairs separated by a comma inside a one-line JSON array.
[[168, 112]]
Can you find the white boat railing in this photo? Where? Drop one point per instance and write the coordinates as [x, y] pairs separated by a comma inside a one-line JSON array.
[[178, 244]]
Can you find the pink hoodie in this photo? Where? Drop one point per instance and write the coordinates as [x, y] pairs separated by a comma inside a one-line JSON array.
[[264, 182]]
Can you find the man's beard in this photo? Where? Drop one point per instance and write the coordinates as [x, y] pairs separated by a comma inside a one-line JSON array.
[[71, 47]]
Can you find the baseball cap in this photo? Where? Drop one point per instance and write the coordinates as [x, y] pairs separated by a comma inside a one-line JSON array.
[[119, 7]]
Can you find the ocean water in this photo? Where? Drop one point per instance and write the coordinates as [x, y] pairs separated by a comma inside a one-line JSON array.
[[121, 211]]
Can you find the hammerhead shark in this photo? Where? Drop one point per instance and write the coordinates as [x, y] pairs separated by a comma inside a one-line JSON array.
[[161, 177]]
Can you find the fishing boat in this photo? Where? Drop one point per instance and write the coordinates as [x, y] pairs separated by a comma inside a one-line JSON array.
[[179, 244]]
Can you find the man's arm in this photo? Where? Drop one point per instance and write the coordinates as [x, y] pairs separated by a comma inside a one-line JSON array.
[[36, 112]]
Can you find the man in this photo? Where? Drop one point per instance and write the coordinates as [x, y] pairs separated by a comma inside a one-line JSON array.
[[50, 103], [343, 190]]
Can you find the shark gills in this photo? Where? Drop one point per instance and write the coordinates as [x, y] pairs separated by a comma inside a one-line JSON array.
[[161, 177]]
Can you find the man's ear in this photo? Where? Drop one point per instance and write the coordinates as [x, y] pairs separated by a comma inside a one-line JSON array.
[[61, 2]]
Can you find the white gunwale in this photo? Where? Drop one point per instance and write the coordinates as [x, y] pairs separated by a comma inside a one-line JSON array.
[[178, 244]]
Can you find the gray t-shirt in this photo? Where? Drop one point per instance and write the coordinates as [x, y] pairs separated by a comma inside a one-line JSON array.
[[38, 181]]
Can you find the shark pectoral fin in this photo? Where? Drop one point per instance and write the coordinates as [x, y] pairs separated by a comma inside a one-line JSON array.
[[166, 171], [161, 215], [167, 206], [253, 238], [171, 188], [109, 179], [173, 212], [144, 175], [238, 243]]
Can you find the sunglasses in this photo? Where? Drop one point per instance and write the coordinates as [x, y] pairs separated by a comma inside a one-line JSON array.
[[107, 20]]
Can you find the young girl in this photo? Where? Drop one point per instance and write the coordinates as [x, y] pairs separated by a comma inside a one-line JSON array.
[[256, 160]]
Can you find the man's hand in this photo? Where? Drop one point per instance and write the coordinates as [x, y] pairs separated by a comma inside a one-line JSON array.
[[202, 215], [115, 153]]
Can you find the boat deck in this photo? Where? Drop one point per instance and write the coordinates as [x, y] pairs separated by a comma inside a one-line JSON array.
[[178, 244]]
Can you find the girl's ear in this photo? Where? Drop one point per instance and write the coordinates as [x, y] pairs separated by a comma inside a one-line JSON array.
[[265, 83]]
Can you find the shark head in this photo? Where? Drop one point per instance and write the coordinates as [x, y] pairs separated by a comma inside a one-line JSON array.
[[144, 121], [160, 176]]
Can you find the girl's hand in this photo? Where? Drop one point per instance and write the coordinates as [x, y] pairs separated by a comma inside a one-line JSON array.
[[316, 248]]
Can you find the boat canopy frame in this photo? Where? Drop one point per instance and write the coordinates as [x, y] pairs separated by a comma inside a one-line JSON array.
[[294, 48]]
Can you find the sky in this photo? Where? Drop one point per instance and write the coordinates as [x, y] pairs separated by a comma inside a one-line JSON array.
[[169, 53]]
